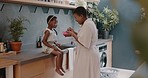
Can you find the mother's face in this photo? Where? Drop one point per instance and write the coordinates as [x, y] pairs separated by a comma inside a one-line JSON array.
[[78, 18]]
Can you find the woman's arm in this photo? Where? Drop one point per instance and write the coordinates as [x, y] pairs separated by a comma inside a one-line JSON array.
[[74, 34]]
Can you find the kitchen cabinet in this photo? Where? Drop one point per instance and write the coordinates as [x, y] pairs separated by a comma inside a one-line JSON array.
[[29, 70], [109, 53], [38, 76], [40, 3], [43, 68], [8, 65]]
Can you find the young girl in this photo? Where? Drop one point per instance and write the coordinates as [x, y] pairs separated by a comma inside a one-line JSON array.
[[50, 45]]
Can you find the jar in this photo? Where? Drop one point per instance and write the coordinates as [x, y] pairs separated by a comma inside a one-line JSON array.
[[1, 47]]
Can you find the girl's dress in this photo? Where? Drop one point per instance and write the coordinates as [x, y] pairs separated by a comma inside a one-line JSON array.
[[87, 61], [51, 39]]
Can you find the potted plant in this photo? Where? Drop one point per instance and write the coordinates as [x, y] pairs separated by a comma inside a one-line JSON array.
[[16, 29], [107, 18]]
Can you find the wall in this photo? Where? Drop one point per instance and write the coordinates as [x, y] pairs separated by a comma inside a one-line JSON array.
[[123, 51], [38, 23]]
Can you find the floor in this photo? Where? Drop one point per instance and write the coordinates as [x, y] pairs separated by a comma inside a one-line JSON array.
[[122, 73], [68, 74]]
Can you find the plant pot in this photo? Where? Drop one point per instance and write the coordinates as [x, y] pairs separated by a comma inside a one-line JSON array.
[[105, 34], [16, 46], [99, 27]]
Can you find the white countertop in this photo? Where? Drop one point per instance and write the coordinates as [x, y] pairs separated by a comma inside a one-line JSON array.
[[102, 41], [123, 73]]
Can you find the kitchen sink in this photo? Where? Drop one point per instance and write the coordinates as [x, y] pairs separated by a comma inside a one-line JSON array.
[[67, 45]]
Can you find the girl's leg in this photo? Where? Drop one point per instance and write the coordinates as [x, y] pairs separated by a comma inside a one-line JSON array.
[[58, 55], [61, 62]]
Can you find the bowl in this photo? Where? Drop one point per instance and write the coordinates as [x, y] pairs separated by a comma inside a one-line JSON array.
[[66, 34]]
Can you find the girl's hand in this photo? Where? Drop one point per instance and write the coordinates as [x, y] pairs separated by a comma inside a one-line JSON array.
[[55, 49], [58, 45]]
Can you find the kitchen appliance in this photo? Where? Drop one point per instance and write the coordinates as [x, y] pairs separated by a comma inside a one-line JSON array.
[[103, 54]]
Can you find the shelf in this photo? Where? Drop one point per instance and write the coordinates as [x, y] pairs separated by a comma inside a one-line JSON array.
[[40, 3]]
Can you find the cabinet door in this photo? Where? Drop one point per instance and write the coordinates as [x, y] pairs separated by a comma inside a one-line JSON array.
[[49, 71], [65, 61], [32, 69], [44, 68], [109, 54], [38, 76]]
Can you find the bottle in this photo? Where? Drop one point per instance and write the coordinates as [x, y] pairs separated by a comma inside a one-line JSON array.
[[39, 42], [8, 47]]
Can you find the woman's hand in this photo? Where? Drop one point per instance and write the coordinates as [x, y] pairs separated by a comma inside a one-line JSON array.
[[70, 29], [71, 33]]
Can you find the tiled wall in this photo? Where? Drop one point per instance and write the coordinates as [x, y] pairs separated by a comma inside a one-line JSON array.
[[37, 17]]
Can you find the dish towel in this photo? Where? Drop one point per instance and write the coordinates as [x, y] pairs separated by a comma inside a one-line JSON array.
[[71, 58]]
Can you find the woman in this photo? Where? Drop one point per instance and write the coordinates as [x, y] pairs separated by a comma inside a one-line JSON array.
[[86, 63]]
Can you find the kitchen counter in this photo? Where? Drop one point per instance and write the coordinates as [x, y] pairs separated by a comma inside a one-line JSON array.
[[5, 63], [30, 53], [102, 41], [31, 62], [32, 56]]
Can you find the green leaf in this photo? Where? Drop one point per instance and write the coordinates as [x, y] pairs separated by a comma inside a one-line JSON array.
[[17, 28]]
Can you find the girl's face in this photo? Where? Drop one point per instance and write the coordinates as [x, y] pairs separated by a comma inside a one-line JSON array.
[[53, 23], [79, 18]]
